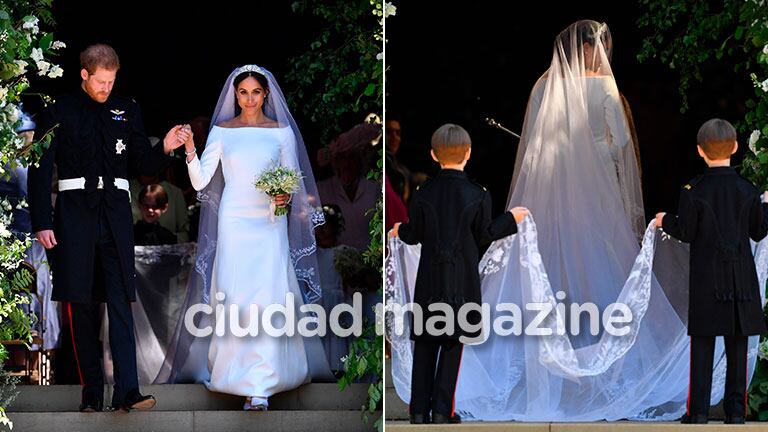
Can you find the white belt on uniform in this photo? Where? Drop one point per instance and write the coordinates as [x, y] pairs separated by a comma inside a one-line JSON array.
[[79, 183]]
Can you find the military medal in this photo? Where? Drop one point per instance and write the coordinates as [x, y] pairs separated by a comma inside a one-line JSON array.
[[118, 115], [119, 146]]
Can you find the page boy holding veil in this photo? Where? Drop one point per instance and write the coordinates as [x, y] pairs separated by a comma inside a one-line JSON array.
[[450, 216], [718, 213]]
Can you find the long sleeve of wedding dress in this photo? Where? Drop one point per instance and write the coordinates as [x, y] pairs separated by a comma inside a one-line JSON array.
[[616, 147], [614, 116], [201, 170], [288, 157]]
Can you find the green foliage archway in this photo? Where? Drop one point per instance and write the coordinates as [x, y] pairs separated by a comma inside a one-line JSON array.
[[24, 49]]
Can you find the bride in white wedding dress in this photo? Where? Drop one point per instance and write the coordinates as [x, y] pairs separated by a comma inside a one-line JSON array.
[[577, 173], [247, 256]]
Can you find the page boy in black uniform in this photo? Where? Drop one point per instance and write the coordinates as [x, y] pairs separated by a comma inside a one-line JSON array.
[[450, 216], [718, 213]]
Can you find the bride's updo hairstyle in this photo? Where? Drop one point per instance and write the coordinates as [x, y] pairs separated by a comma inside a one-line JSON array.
[[581, 32]]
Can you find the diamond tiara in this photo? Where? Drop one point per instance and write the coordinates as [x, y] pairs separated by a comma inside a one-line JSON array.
[[601, 28], [250, 68]]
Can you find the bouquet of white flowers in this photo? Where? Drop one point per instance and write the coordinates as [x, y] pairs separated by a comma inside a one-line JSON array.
[[278, 180]]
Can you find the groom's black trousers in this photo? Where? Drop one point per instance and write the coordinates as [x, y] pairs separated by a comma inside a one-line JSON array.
[[434, 374], [86, 321], [702, 359]]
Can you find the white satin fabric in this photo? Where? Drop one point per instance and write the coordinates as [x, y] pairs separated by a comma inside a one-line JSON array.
[[252, 264]]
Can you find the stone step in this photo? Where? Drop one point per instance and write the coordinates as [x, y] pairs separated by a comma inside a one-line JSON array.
[[621, 426], [195, 397], [192, 421], [396, 409], [388, 367]]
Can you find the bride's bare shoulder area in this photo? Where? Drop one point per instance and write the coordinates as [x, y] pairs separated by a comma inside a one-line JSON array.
[[227, 124], [235, 123], [269, 123]]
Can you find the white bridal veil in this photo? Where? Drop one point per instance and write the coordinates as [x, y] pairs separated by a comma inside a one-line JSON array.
[[577, 172]]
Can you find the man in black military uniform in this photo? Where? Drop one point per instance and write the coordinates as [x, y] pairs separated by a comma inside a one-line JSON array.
[[450, 216], [98, 139], [718, 213]]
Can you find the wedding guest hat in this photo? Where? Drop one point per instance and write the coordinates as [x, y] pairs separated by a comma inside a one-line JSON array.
[[357, 139]]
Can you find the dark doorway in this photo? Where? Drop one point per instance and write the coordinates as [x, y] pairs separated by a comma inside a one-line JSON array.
[[461, 62], [175, 56]]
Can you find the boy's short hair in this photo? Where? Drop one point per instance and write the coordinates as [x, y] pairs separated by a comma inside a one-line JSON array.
[[716, 137], [154, 193], [450, 143]]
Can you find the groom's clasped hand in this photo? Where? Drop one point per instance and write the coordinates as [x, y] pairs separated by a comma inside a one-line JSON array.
[[176, 137]]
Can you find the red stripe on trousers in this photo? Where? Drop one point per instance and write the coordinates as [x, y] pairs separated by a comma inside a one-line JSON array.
[[453, 402], [74, 347], [746, 387]]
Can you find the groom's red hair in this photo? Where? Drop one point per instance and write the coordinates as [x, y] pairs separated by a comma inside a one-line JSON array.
[[99, 56]]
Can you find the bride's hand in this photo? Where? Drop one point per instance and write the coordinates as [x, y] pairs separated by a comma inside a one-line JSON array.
[[188, 137], [188, 140], [281, 200]]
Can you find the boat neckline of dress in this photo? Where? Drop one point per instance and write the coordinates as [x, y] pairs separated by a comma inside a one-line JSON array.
[[250, 127], [590, 76]]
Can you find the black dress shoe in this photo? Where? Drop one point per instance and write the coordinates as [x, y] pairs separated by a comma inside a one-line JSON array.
[[135, 400], [91, 405], [438, 418], [694, 419], [419, 418], [734, 419]]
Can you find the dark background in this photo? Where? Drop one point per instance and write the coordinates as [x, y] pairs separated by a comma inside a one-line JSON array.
[[460, 62], [175, 56]]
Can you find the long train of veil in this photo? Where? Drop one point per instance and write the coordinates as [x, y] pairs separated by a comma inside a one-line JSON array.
[[576, 170]]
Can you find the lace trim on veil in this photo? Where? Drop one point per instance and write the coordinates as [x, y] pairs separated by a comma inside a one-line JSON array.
[[555, 353]]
